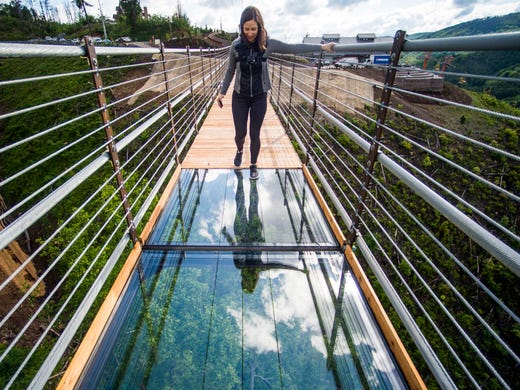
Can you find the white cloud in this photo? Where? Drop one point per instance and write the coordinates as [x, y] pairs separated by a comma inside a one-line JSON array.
[[259, 332], [293, 306], [290, 20]]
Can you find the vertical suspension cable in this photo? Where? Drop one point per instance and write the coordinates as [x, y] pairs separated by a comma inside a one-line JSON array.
[[169, 104], [275, 330], [242, 334], [210, 324]]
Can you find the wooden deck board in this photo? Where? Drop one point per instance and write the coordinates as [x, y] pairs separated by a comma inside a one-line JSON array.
[[214, 146]]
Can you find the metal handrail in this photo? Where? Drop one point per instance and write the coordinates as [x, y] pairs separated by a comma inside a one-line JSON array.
[[150, 179], [505, 253], [334, 173], [491, 42], [500, 250]]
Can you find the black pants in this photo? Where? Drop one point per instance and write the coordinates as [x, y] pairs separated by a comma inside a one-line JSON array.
[[254, 108]]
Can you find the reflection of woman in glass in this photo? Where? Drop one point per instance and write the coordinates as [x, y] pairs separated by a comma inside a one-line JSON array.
[[248, 231]]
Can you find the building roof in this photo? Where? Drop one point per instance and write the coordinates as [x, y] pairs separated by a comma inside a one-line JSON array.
[[331, 36], [359, 38], [366, 37]]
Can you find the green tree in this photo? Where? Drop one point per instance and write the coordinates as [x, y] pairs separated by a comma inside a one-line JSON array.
[[17, 20], [15, 9], [82, 4], [181, 26], [132, 11]]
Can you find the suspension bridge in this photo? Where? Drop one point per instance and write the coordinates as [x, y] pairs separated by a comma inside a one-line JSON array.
[[369, 254]]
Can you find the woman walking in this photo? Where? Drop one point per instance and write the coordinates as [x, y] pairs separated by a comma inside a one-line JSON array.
[[248, 63]]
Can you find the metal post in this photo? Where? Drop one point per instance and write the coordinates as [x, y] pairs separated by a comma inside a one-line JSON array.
[[188, 53], [211, 59], [191, 86], [109, 134], [202, 70], [169, 104], [292, 85], [272, 72], [316, 88], [314, 102], [279, 85], [397, 47], [290, 96], [102, 20]]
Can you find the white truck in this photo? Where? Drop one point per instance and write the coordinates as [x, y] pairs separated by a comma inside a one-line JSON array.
[[379, 59]]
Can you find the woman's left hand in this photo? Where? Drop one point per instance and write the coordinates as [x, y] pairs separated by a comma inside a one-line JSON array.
[[328, 46], [219, 100]]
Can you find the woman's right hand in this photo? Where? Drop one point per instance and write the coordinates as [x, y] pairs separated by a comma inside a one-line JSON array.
[[219, 100]]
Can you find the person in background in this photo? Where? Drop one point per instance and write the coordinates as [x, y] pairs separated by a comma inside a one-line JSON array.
[[248, 63]]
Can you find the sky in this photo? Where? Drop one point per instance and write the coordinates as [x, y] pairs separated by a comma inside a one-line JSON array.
[[291, 20]]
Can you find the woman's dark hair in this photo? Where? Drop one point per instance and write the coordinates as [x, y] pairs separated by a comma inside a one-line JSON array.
[[252, 13]]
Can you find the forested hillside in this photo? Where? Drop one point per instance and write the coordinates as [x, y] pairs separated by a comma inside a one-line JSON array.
[[499, 64], [490, 25], [22, 23]]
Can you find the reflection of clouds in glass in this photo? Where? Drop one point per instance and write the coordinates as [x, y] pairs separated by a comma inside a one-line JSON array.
[[293, 307], [273, 211], [207, 228], [230, 204], [365, 333], [270, 200], [293, 304], [318, 344], [229, 213], [334, 266], [292, 300], [258, 331], [214, 174]]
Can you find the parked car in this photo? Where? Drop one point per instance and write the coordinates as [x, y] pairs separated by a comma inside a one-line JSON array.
[[123, 40], [317, 62], [347, 62]]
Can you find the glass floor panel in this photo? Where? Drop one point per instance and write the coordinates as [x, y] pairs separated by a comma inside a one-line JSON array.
[[248, 315], [223, 207]]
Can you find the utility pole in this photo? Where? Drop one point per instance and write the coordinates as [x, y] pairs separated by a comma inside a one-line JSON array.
[[102, 20]]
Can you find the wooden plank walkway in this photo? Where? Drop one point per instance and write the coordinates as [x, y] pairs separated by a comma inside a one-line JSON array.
[[214, 146]]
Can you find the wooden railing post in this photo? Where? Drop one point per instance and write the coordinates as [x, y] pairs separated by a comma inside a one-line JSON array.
[[397, 47], [109, 134]]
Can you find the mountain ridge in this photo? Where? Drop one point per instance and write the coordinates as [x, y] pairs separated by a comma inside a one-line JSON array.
[[488, 25]]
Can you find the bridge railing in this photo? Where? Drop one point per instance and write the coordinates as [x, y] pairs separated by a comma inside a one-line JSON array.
[[88, 142], [425, 185], [423, 174]]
